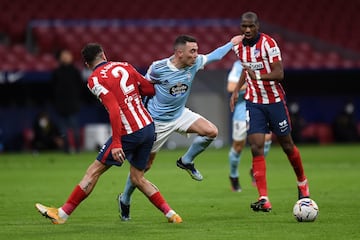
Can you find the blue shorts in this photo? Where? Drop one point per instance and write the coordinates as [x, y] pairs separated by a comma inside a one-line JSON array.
[[136, 146], [263, 118]]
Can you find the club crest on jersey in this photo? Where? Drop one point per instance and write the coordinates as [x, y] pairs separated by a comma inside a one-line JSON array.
[[257, 53], [179, 89]]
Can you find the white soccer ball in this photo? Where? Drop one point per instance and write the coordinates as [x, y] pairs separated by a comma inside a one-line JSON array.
[[305, 210]]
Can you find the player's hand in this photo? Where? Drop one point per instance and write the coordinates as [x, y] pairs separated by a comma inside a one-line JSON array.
[[249, 71], [233, 100], [118, 154], [237, 39]]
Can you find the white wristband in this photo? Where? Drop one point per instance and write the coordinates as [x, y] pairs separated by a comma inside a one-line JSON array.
[[257, 76]]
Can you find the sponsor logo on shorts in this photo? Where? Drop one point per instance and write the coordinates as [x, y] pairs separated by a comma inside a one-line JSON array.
[[283, 125]]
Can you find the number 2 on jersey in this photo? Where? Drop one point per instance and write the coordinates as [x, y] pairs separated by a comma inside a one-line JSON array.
[[124, 77]]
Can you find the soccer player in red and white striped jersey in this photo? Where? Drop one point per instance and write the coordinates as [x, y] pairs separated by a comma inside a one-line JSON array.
[[119, 87], [263, 57], [266, 108]]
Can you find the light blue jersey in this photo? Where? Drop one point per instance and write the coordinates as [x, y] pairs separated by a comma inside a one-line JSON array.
[[173, 85], [240, 107]]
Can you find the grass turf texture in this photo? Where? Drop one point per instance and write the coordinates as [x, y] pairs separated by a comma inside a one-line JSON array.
[[209, 209]]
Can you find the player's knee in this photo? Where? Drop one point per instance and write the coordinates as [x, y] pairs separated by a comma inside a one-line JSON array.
[[238, 146], [212, 132], [257, 149]]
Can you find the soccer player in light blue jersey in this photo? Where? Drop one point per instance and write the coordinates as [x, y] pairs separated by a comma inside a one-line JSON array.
[[173, 77], [239, 129]]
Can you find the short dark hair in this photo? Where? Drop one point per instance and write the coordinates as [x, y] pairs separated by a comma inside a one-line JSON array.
[[91, 51], [250, 15], [183, 39]]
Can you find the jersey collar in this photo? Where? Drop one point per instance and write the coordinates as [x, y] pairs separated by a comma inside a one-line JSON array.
[[100, 64]]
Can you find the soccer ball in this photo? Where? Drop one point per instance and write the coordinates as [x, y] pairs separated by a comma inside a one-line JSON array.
[[305, 210]]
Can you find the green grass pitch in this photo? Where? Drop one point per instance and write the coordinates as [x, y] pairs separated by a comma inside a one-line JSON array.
[[208, 208]]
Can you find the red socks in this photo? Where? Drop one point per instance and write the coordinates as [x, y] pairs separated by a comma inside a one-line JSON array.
[[259, 172], [159, 202], [76, 197], [296, 163]]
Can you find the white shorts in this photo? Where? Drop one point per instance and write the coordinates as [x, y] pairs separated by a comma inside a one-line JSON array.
[[163, 130], [239, 130]]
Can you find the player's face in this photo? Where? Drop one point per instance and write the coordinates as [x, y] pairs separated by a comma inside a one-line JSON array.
[[189, 53], [249, 28]]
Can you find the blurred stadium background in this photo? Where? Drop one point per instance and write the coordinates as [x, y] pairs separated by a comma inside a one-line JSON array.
[[320, 44]]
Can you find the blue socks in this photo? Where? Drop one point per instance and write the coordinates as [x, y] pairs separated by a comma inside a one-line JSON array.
[[234, 161], [128, 191], [199, 144], [267, 146]]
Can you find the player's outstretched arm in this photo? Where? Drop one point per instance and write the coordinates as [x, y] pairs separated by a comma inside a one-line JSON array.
[[220, 52]]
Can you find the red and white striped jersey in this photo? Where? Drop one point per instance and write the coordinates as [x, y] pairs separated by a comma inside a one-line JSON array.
[[258, 57], [119, 87]]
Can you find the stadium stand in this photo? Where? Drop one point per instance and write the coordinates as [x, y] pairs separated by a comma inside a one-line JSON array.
[[313, 36], [311, 33]]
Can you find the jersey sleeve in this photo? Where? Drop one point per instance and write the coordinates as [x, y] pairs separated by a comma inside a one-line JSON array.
[[146, 88], [235, 72], [273, 51], [201, 61], [112, 106], [219, 53], [110, 103], [150, 74], [95, 87]]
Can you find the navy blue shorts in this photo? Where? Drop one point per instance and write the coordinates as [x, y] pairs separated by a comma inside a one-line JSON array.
[[263, 118], [136, 146]]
